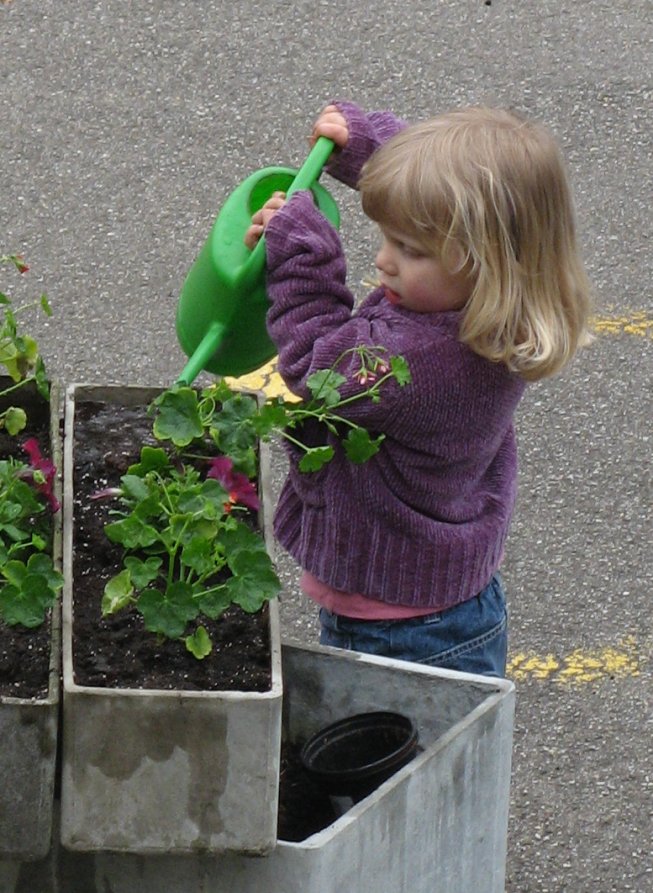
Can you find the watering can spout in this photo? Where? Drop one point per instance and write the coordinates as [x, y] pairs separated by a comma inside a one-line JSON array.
[[203, 353], [223, 303]]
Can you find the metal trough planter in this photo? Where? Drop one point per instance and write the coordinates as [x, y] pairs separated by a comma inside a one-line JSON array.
[[153, 772], [438, 826], [28, 726]]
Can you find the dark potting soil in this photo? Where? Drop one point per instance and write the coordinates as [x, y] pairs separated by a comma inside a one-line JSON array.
[[117, 651], [304, 808], [24, 653], [24, 661]]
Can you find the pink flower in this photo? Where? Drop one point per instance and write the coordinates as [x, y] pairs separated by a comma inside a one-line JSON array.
[[365, 376], [238, 486], [43, 472]]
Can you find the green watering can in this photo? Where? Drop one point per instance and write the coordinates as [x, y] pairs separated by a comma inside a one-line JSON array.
[[223, 304]]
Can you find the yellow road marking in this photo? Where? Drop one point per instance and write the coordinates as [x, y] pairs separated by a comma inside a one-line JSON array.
[[579, 666], [635, 323], [265, 379]]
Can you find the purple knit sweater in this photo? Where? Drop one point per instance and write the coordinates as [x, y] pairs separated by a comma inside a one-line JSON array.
[[422, 523]]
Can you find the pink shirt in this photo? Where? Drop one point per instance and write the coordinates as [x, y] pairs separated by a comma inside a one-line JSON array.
[[351, 604]]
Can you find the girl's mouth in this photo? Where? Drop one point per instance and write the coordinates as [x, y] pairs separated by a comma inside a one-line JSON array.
[[392, 296]]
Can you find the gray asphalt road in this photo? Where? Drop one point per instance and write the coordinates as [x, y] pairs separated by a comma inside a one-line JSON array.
[[124, 126]]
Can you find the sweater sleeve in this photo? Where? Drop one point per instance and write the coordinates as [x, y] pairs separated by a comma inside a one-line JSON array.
[[311, 317], [366, 133]]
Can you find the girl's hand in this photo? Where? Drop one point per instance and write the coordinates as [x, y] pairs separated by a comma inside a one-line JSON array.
[[332, 124], [262, 217]]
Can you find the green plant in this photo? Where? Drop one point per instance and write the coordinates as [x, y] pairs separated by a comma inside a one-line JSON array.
[[190, 548], [19, 353], [29, 582], [183, 414], [186, 551], [32, 583]]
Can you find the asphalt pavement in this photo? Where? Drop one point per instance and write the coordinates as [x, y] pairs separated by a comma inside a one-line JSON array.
[[123, 128]]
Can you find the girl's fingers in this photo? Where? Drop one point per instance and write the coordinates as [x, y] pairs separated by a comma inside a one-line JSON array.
[[252, 235], [331, 124], [262, 217]]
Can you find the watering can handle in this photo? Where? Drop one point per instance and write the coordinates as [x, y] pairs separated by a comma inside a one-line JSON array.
[[311, 169], [306, 176]]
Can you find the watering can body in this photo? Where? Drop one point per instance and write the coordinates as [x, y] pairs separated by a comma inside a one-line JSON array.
[[223, 303]]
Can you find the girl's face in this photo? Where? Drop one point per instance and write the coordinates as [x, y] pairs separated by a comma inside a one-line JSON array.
[[419, 281]]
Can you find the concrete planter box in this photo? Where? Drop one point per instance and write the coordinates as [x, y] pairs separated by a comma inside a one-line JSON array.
[[438, 826], [28, 726], [164, 771]]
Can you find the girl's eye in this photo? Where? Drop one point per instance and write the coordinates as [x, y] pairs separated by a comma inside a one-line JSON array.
[[410, 250]]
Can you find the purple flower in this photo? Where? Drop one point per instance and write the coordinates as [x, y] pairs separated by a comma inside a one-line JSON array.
[[238, 486], [108, 493], [43, 472]]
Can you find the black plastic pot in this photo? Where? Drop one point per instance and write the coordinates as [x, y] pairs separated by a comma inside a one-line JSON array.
[[352, 757]]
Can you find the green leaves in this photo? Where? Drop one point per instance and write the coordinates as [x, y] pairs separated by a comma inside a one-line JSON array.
[[253, 582], [30, 591], [15, 420], [32, 583], [400, 371], [118, 593], [132, 532], [19, 353], [187, 553], [360, 446], [178, 417], [324, 385], [199, 644], [180, 535], [315, 458], [168, 612]]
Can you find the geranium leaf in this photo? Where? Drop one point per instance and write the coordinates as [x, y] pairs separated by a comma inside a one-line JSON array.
[[360, 446], [233, 430], [240, 538], [199, 644], [141, 572], [214, 602], [167, 613], [41, 564], [253, 589], [324, 385], [15, 572], [118, 593], [131, 532], [400, 370], [152, 459], [15, 420], [26, 605], [178, 417], [272, 415], [198, 556], [134, 487], [315, 458]]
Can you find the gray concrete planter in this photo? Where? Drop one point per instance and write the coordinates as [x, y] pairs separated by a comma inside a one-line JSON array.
[[28, 726], [438, 826], [154, 772]]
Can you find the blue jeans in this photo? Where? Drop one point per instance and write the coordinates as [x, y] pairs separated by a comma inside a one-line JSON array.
[[471, 637]]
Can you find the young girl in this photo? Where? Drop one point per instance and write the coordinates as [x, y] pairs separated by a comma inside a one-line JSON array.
[[481, 290]]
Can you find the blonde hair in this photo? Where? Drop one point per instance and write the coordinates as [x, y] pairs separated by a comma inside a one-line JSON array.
[[493, 185]]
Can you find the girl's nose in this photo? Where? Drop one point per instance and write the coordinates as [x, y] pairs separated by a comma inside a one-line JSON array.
[[384, 259]]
